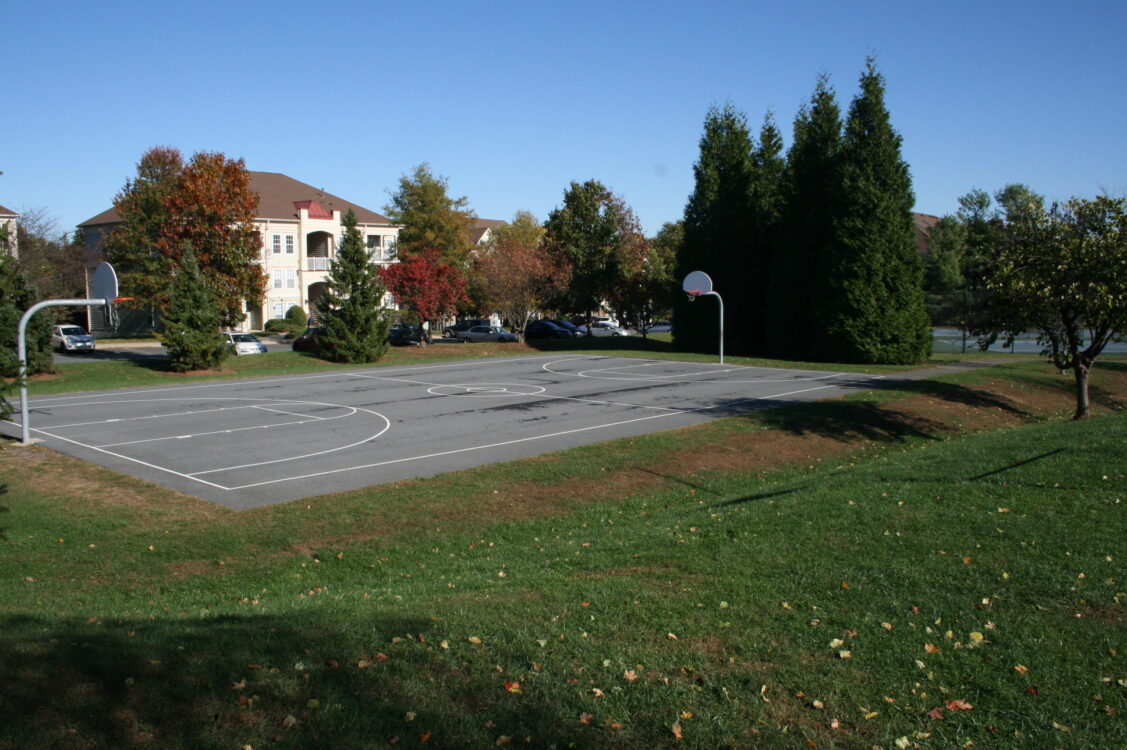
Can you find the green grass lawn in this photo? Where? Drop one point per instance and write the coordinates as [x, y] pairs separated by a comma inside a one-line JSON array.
[[939, 565]]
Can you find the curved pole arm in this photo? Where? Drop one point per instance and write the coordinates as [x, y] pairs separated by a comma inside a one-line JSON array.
[[21, 349]]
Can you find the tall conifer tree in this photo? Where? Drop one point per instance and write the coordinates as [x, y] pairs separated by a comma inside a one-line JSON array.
[[718, 231], [192, 319], [351, 308], [799, 275], [768, 168], [876, 310]]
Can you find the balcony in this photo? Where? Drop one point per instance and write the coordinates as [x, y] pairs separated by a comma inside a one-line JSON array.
[[317, 264]]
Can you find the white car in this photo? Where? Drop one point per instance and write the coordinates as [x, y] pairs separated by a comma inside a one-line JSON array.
[[603, 329], [70, 338], [659, 326], [245, 343]]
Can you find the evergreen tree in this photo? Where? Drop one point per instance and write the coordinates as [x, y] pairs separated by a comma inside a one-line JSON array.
[[768, 169], [192, 320], [875, 311], [351, 309], [718, 232], [17, 294], [805, 235]]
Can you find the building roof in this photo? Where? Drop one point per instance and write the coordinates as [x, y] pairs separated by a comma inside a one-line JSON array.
[[7, 212], [481, 226], [277, 196]]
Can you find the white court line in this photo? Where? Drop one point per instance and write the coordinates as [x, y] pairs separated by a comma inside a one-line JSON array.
[[239, 382], [349, 411], [133, 460], [545, 396], [138, 419], [594, 374], [206, 434], [519, 440], [293, 414], [449, 453]]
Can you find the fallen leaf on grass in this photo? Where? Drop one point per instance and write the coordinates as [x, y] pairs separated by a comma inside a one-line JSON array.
[[936, 713], [958, 705], [585, 718], [630, 675], [676, 729], [513, 687], [1061, 727], [1021, 669], [931, 648]]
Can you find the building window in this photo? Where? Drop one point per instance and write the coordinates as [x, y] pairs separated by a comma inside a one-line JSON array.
[[375, 249], [278, 310], [291, 278], [278, 240], [277, 277]]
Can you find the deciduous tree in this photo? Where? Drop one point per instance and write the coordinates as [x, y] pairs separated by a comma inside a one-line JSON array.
[[351, 309], [1063, 273], [599, 238], [207, 203], [426, 284], [515, 275], [430, 219]]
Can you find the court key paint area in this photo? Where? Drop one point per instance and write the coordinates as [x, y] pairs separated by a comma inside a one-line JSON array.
[[248, 443]]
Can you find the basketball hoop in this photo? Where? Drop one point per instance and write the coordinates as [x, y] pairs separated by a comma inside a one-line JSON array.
[[699, 284]]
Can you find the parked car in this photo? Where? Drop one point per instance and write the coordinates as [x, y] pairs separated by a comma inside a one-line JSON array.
[[309, 340], [603, 329], [545, 329], [406, 334], [567, 326], [244, 343], [486, 333], [455, 331], [660, 326], [69, 338]]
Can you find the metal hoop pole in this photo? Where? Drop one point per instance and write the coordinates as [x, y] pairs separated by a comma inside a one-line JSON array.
[[21, 349], [721, 301]]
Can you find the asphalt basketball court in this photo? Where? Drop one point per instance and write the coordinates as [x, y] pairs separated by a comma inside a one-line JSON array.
[[248, 443]]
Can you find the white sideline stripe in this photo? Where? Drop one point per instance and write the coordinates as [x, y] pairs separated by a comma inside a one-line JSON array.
[[295, 414], [206, 434], [137, 419], [450, 452]]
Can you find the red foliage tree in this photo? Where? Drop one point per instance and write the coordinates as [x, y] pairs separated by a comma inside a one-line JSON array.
[[425, 285]]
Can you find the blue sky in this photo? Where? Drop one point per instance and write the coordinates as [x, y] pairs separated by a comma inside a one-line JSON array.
[[511, 101]]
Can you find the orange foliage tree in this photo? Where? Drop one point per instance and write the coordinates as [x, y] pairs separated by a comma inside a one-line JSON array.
[[206, 204], [514, 274]]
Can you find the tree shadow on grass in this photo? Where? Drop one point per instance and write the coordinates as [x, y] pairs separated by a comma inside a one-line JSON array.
[[847, 421], [220, 682]]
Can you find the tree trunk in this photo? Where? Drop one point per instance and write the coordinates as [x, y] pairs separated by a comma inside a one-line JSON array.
[[1083, 407]]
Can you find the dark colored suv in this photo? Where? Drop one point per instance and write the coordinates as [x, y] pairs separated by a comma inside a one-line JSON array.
[[545, 329]]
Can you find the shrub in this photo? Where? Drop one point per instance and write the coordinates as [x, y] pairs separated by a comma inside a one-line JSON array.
[[297, 316]]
